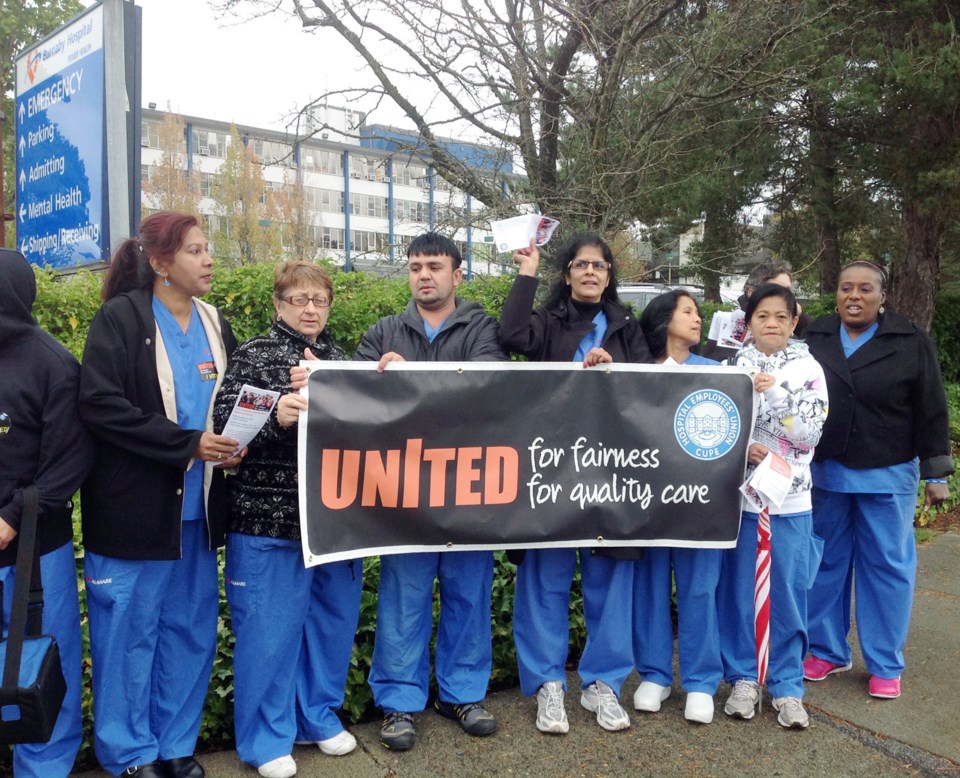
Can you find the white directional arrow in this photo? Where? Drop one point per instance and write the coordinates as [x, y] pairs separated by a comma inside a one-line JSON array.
[[22, 212], [21, 113], [23, 180], [23, 246], [23, 145]]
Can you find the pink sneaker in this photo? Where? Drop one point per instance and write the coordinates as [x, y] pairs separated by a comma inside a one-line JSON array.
[[816, 669], [884, 688]]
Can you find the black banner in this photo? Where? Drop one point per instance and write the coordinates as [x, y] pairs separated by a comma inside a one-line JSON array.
[[446, 457]]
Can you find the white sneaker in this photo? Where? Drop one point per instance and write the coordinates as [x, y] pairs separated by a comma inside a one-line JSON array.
[[790, 712], [649, 695], [551, 716], [282, 767], [338, 745], [600, 699], [699, 707], [742, 702]]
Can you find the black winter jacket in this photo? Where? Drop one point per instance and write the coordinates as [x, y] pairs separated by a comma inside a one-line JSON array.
[[264, 500], [469, 335], [42, 439], [133, 499], [554, 334], [887, 403]]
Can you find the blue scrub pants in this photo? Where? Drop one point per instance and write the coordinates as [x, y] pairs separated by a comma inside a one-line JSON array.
[[792, 547], [541, 617], [153, 636], [289, 646], [697, 573], [61, 618], [870, 536], [328, 637], [400, 670]]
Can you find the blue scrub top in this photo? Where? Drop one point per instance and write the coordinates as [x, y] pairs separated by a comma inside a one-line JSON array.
[[432, 332], [696, 359], [194, 378], [593, 338]]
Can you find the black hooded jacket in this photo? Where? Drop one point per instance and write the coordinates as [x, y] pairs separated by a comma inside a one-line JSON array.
[[42, 439]]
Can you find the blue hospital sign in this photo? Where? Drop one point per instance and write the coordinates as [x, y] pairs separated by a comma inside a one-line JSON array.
[[59, 106]]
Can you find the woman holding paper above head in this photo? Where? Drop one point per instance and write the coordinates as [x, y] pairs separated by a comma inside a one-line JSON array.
[[154, 506], [582, 321], [671, 323], [791, 410], [294, 625]]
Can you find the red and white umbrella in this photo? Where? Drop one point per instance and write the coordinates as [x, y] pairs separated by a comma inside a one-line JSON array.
[[768, 485], [761, 595]]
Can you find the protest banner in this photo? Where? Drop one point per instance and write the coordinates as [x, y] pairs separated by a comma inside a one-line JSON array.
[[453, 457]]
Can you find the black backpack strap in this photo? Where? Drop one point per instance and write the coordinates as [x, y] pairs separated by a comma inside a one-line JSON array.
[[27, 590]]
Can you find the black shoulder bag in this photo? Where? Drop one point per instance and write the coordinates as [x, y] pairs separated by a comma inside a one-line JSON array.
[[33, 684]]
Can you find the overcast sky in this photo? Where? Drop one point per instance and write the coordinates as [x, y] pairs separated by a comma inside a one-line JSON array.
[[254, 73]]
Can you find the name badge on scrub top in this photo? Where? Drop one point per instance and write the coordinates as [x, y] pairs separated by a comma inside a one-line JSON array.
[[208, 371]]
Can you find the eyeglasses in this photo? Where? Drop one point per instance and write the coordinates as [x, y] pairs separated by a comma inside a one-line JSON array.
[[301, 300], [600, 265]]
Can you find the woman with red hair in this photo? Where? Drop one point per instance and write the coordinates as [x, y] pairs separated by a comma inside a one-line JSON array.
[[154, 507]]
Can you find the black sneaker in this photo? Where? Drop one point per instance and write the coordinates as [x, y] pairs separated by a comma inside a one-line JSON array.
[[473, 717], [397, 732]]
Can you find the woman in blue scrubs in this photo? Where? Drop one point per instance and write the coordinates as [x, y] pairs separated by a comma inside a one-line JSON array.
[[154, 507], [294, 625], [582, 321], [672, 326], [791, 410], [888, 428]]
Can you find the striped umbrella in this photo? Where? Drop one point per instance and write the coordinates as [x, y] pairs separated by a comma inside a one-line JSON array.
[[761, 595]]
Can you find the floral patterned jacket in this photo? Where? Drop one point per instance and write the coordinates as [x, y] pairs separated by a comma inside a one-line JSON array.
[[791, 414]]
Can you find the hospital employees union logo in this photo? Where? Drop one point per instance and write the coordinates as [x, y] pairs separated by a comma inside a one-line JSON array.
[[707, 424]]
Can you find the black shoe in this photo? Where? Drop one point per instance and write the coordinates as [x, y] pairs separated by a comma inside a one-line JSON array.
[[397, 732], [473, 717], [183, 767], [152, 770]]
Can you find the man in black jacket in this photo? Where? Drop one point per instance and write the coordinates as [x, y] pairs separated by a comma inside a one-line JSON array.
[[436, 326], [42, 442]]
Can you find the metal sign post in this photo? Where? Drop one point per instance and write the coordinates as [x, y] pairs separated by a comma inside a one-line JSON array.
[[74, 91]]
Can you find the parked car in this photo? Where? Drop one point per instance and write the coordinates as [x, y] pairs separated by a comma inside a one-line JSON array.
[[638, 295]]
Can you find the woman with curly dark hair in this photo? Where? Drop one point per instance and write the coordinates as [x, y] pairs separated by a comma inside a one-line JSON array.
[[582, 321]]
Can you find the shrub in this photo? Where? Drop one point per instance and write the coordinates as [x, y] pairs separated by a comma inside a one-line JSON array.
[[65, 306]]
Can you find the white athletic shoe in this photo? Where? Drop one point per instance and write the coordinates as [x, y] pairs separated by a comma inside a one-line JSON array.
[[600, 699], [282, 767], [551, 716], [649, 695], [338, 745], [699, 707]]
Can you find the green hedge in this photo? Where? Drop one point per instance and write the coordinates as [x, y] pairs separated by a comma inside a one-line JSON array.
[[65, 306]]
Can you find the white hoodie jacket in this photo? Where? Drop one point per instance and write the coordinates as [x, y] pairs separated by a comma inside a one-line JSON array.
[[790, 415]]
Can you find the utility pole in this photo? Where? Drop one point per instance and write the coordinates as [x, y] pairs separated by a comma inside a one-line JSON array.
[[6, 217]]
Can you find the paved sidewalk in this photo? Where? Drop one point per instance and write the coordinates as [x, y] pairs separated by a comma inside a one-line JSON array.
[[851, 734]]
